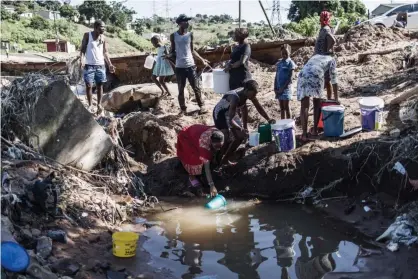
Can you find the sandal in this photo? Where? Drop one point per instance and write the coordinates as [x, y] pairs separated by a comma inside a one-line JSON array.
[[195, 183]]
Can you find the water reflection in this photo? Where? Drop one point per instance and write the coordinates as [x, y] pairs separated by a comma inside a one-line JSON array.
[[250, 242]]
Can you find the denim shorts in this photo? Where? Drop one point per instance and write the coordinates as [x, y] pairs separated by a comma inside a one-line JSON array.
[[94, 74]]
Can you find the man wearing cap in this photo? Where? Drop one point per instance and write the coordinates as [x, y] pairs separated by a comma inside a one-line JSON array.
[[183, 51]]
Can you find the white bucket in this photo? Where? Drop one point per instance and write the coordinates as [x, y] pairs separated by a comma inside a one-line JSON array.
[[254, 139], [371, 109], [220, 81], [149, 62], [284, 135], [207, 80]]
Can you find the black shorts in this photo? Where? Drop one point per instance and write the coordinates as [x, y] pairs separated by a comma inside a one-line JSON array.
[[221, 120]]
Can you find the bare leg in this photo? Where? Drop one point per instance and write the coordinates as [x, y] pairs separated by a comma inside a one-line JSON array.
[[282, 109], [155, 80], [239, 137], [304, 114], [99, 88], [317, 114], [164, 85], [287, 109], [329, 89], [89, 93]]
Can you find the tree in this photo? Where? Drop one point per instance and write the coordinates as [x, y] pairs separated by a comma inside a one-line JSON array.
[[302, 9], [139, 26], [95, 8], [5, 15], [67, 11], [21, 8], [39, 23], [50, 5]]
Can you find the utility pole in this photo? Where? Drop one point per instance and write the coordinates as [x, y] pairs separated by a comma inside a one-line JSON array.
[[267, 18], [239, 13], [57, 40], [275, 13]]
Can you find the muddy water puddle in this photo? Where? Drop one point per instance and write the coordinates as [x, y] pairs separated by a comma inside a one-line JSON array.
[[244, 241]]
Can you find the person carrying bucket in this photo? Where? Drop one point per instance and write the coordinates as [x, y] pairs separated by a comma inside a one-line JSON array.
[[226, 118], [196, 145], [162, 68], [237, 66], [311, 84], [183, 50], [283, 82]]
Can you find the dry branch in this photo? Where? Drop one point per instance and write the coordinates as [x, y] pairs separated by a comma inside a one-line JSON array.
[[405, 96], [363, 56]]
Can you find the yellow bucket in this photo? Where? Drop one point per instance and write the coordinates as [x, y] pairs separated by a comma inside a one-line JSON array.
[[124, 244]]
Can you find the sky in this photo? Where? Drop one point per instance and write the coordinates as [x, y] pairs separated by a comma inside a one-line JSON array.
[[251, 10]]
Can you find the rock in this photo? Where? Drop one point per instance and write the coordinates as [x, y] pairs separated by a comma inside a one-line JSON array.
[[66, 277], [44, 246], [145, 94], [93, 238], [66, 267], [82, 275], [93, 265], [7, 229], [38, 272], [115, 275], [58, 235], [69, 135], [26, 234], [36, 233]]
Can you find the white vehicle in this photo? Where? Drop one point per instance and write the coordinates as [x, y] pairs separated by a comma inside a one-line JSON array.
[[388, 18]]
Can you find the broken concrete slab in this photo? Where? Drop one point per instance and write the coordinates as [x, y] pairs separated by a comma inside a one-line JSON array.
[[145, 94], [65, 131]]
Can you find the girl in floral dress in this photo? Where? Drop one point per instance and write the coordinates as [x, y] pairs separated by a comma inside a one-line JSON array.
[[162, 68]]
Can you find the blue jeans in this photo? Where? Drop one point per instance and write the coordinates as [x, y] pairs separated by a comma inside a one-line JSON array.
[[94, 74]]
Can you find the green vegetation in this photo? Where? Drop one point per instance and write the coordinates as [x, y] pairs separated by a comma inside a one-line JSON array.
[[305, 15]]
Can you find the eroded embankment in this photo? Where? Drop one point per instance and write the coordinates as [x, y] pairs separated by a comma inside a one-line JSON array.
[[360, 166]]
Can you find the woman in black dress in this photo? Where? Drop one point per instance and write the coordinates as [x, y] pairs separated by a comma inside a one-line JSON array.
[[237, 66]]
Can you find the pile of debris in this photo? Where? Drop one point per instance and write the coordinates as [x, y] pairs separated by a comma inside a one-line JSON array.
[[364, 37]]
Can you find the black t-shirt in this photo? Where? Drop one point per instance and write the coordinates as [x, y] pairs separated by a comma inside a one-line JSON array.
[[242, 73]]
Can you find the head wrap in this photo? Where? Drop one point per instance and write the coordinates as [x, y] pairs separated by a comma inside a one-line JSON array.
[[325, 18], [217, 136]]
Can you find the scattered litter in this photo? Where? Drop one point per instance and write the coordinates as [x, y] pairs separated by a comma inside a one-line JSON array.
[[367, 209], [139, 220], [393, 247], [14, 152], [307, 192], [399, 168], [401, 231], [395, 133], [84, 214], [351, 132]]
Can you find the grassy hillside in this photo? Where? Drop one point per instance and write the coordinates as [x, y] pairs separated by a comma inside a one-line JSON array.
[[32, 39]]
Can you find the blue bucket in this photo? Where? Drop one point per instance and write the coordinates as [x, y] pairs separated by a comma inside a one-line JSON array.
[[216, 203], [333, 118], [14, 257]]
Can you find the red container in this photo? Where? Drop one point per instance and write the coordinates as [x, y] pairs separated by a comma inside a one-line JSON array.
[[325, 104]]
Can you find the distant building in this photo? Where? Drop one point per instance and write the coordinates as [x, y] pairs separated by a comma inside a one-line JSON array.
[[48, 14], [383, 8], [5, 44], [26, 15], [8, 8], [63, 46]]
